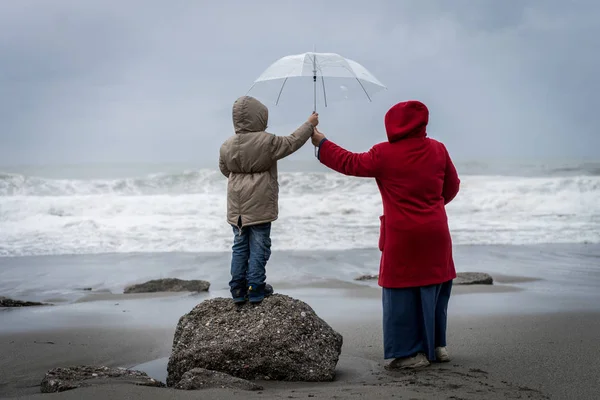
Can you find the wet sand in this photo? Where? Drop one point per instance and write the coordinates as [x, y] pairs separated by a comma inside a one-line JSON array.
[[497, 356], [532, 335], [27, 356]]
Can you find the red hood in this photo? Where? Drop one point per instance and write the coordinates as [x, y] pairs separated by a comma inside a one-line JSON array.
[[406, 119]]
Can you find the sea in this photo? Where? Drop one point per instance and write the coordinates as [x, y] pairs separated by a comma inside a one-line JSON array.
[[63, 228]]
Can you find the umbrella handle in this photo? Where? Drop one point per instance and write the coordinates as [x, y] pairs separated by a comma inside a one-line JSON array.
[[315, 100], [314, 78], [315, 105], [315, 91]]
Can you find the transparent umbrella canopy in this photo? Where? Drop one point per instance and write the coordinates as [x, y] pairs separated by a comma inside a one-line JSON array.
[[323, 68]]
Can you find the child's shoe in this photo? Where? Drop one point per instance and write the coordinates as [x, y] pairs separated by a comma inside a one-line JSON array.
[[256, 294], [239, 295]]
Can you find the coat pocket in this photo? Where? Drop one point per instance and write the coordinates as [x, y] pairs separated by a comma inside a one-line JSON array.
[[381, 232]]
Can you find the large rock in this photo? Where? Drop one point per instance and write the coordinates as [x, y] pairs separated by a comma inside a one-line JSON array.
[[462, 278], [281, 339], [200, 378], [6, 302], [169, 285], [61, 379]]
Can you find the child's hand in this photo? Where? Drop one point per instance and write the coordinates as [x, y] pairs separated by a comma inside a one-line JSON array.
[[314, 119]]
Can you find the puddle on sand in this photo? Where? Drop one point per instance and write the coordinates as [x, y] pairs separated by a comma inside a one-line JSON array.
[[156, 369]]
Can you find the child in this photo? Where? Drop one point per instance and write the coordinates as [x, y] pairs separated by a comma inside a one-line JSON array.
[[249, 160]]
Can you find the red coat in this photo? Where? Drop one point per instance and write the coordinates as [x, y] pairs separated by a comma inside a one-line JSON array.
[[416, 178]]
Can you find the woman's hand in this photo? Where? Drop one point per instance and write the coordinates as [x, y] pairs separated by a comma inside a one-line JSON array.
[[317, 137]]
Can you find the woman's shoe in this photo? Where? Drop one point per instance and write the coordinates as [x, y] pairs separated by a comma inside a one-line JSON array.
[[415, 362], [441, 354]]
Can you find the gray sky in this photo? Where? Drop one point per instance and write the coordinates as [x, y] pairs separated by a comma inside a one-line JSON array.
[[153, 81]]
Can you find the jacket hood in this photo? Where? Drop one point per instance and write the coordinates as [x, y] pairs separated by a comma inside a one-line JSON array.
[[249, 115], [406, 119]]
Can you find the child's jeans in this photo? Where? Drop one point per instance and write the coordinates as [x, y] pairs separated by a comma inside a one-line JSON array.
[[251, 251]]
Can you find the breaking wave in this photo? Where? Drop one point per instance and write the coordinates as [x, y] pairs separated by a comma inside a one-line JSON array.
[[318, 210]]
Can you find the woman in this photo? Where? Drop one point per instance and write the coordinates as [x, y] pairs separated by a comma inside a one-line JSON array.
[[416, 178]]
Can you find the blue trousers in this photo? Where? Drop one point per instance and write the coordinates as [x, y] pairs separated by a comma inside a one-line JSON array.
[[415, 320], [251, 251]]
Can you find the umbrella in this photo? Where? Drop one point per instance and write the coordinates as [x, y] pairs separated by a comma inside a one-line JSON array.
[[320, 65]]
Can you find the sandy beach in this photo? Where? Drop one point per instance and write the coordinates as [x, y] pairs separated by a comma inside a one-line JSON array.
[[519, 338], [510, 356]]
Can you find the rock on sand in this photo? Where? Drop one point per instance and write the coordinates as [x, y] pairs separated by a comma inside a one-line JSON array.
[[280, 339], [6, 302], [462, 278], [473, 278], [61, 379], [169, 285], [367, 277]]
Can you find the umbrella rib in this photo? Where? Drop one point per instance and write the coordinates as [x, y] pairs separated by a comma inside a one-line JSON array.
[[281, 90], [363, 88], [360, 83], [324, 93]]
